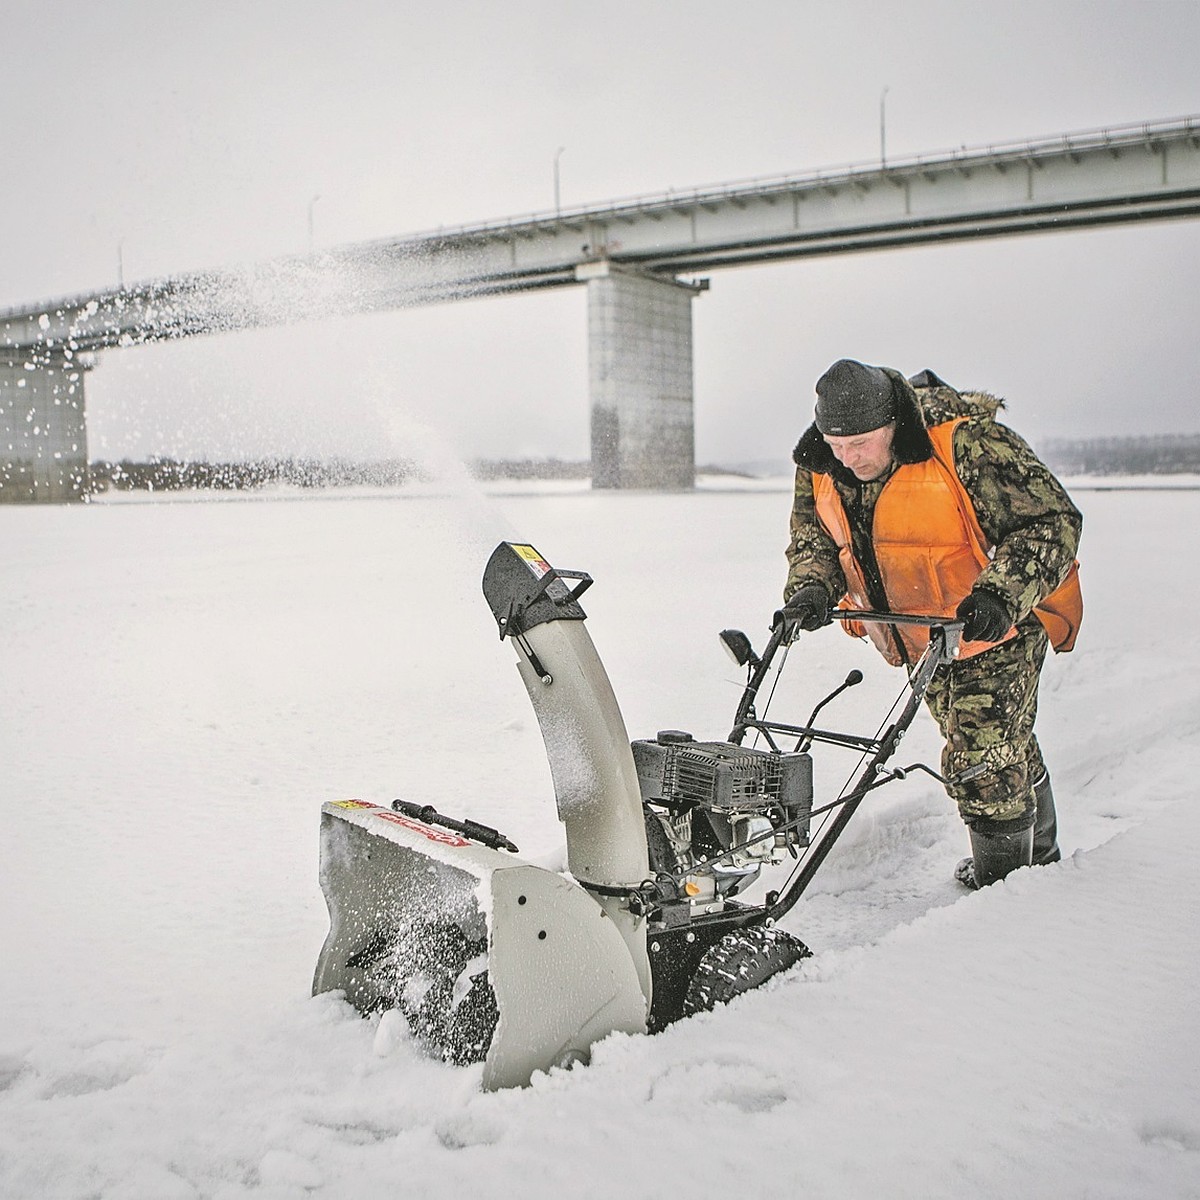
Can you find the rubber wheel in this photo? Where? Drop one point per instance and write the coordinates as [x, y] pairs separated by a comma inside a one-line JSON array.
[[663, 859], [452, 1014], [741, 961]]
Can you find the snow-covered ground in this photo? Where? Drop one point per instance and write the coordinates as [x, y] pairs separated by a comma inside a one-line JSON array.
[[186, 682]]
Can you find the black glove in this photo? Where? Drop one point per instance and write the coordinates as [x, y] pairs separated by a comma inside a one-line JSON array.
[[807, 609], [984, 617]]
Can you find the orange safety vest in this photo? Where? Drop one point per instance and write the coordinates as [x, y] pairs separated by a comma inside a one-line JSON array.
[[930, 549]]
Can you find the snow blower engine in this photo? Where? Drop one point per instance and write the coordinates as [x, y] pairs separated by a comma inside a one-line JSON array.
[[494, 960]]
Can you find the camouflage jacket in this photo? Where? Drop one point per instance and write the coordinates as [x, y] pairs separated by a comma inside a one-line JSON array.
[[1022, 509]]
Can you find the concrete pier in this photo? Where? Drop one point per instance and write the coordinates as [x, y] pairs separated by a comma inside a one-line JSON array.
[[43, 431], [640, 378]]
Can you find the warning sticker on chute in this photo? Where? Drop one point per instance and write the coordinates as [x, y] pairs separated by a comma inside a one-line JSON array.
[[536, 563]]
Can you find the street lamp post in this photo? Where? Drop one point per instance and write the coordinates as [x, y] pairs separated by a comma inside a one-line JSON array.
[[310, 221], [557, 196], [883, 127]]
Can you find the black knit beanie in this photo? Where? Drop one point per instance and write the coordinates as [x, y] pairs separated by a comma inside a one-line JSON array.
[[853, 398]]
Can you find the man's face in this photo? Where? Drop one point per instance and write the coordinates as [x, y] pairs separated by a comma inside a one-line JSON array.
[[868, 455]]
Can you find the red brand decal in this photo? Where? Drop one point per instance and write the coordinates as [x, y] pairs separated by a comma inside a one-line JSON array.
[[434, 835]]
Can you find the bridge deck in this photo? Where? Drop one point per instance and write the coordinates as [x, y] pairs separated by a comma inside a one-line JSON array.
[[1133, 173]]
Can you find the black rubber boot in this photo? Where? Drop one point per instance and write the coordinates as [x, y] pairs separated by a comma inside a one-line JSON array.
[[1045, 829], [997, 848]]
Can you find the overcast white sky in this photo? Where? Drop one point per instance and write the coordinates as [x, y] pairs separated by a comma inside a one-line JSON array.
[[168, 136]]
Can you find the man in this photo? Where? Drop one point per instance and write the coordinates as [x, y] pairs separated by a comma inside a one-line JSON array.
[[911, 497]]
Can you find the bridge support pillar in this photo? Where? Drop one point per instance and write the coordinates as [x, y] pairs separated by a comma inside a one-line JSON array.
[[640, 378], [43, 435]]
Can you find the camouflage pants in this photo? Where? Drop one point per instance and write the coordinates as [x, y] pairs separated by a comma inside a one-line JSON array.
[[985, 707]]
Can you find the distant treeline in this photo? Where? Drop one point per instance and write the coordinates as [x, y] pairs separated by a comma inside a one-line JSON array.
[[1169, 454], [170, 474], [1166, 455], [529, 468]]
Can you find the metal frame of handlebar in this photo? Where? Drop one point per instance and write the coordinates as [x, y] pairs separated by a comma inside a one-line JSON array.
[[745, 715], [944, 636], [746, 719]]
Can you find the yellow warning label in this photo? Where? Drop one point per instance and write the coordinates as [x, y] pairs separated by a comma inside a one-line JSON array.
[[353, 804], [536, 562]]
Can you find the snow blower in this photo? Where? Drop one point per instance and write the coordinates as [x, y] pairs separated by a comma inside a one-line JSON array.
[[494, 960]]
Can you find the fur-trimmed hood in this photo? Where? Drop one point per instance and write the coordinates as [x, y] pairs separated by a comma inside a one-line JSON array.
[[920, 403]]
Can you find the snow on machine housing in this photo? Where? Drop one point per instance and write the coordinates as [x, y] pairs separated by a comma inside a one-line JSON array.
[[495, 960]]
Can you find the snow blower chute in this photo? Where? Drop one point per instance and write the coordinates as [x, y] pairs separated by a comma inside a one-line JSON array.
[[495, 960]]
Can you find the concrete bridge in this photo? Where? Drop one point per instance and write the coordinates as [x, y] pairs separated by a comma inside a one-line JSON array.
[[634, 256]]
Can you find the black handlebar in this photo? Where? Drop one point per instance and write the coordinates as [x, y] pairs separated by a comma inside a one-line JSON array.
[[869, 617]]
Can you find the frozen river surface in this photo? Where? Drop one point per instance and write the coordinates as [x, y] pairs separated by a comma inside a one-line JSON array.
[[187, 680]]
